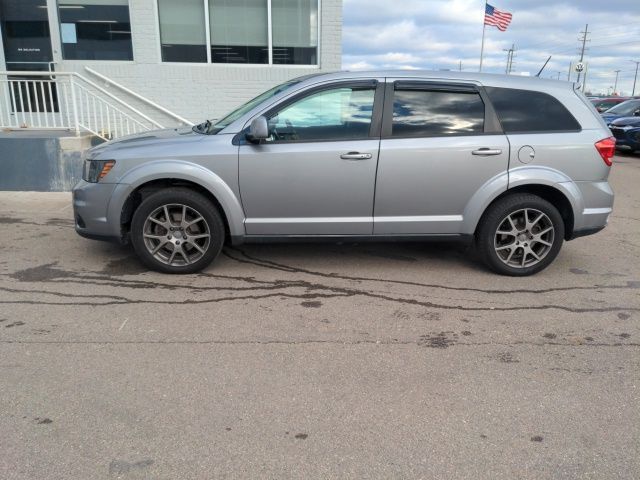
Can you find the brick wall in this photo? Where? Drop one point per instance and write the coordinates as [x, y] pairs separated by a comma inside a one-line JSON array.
[[199, 91]]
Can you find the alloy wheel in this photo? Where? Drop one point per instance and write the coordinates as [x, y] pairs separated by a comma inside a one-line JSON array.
[[524, 238], [176, 234]]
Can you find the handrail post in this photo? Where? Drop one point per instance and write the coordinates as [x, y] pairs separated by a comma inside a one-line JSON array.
[[75, 105]]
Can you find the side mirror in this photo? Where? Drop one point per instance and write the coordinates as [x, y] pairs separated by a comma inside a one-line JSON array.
[[636, 113], [258, 130]]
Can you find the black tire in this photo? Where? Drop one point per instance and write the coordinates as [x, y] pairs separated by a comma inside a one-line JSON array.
[[194, 202], [487, 239]]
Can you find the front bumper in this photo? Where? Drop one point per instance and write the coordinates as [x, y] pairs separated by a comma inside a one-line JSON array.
[[90, 207]]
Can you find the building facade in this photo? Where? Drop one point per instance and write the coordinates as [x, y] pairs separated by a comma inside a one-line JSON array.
[[197, 58]]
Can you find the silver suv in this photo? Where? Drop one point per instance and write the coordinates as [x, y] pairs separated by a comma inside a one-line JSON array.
[[515, 164]]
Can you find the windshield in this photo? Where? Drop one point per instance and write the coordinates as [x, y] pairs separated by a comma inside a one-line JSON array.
[[208, 127], [625, 108]]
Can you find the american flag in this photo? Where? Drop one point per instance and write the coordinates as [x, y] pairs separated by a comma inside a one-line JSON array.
[[493, 16]]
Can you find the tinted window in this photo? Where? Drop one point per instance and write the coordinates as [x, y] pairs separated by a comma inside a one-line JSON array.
[[527, 111], [182, 31], [429, 113], [95, 30], [626, 108], [335, 114]]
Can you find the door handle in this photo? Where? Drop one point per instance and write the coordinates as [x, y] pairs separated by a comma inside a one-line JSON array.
[[485, 152], [355, 156]]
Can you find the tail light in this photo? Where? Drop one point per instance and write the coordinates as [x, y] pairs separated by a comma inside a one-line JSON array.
[[607, 149]]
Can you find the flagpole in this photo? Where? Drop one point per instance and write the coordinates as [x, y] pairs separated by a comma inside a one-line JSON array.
[[484, 27]]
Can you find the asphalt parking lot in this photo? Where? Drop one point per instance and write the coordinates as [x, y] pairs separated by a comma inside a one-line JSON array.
[[317, 361]]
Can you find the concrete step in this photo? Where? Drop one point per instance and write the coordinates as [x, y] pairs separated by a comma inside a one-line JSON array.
[[42, 160]]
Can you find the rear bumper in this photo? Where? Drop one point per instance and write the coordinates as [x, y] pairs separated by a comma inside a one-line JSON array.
[[597, 205]]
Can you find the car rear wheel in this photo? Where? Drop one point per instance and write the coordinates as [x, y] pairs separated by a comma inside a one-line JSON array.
[[177, 230], [520, 235]]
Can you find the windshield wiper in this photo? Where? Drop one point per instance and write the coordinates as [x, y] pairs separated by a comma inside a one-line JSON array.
[[202, 128]]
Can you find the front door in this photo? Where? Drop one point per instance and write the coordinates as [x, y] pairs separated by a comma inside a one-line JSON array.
[[315, 174], [25, 34], [440, 144]]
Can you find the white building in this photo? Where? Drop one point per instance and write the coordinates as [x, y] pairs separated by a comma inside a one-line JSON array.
[[197, 58]]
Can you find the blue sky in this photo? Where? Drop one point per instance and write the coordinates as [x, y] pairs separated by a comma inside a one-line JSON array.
[[438, 34]]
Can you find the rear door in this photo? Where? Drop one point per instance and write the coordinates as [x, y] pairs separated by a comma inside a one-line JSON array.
[[441, 142]]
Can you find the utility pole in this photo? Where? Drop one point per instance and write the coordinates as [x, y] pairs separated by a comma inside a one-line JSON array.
[[559, 73], [509, 51], [460, 66], [615, 85], [584, 41], [569, 73], [635, 78]]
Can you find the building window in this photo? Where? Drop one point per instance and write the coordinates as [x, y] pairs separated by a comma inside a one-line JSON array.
[[295, 31], [182, 31], [95, 29], [239, 31]]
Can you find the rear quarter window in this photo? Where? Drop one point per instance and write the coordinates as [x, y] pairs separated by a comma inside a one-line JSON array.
[[525, 111]]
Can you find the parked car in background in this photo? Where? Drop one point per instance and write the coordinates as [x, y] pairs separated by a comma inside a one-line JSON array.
[[515, 164], [629, 108], [603, 104], [626, 130]]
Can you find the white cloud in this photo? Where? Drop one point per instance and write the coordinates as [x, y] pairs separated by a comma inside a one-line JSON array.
[[438, 34]]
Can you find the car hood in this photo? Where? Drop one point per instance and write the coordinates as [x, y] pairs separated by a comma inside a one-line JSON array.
[[610, 118], [626, 122], [166, 136]]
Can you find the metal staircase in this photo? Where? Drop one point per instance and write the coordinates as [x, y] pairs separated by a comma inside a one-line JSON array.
[[70, 101]]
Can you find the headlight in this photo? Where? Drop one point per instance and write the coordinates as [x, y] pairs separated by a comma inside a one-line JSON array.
[[96, 170]]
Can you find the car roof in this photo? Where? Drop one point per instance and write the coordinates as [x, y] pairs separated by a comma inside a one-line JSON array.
[[488, 79]]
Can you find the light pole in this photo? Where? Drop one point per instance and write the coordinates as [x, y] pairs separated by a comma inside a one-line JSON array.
[[615, 85], [635, 78]]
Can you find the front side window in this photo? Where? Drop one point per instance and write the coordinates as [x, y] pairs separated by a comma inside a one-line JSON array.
[[424, 113], [95, 29], [527, 111], [239, 31], [182, 31], [341, 113]]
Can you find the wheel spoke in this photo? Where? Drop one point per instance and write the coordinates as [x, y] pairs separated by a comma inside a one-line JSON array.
[[184, 255], [173, 255], [159, 246], [199, 236], [184, 215], [162, 224], [167, 216], [504, 247], [544, 242], [198, 247], [155, 237], [192, 222], [530, 225]]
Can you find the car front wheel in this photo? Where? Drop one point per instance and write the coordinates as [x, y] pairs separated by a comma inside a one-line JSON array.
[[177, 230], [520, 234]]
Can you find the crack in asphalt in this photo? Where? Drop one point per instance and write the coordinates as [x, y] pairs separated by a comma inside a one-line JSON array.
[[307, 342], [286, 268], [49, 273]]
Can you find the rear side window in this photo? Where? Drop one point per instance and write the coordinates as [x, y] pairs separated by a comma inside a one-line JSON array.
[[522, 111], [424, 113]]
